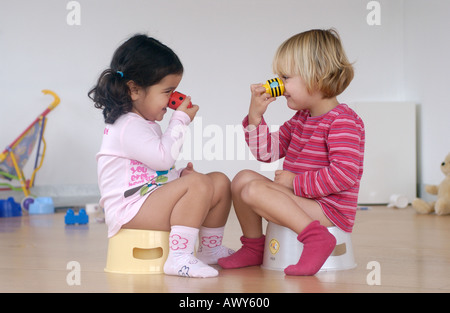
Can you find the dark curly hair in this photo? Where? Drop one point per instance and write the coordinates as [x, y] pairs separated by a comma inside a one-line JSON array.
[[141, 59]]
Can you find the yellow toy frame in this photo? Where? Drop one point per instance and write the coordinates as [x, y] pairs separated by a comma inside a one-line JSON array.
[[15, 155]]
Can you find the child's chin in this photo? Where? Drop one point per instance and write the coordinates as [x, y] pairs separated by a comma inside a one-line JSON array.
[[161, 116], [292, 106]]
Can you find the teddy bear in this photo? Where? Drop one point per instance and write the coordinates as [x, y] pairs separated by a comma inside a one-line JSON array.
[[442, 205]]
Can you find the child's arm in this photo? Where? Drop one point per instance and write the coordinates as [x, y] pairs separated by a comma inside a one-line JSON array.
[[187, 107], [259, 102], [264, 145], [344, 147], [147, 144]]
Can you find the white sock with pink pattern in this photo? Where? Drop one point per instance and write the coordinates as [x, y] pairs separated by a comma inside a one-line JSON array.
[[210, 247], [181, 260]]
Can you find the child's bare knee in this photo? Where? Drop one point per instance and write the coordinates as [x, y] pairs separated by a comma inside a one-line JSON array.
[[201, 184], [220, 181], [252, 191], [241, 180]]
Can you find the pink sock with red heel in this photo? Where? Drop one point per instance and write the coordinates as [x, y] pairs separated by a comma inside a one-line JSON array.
[[318, 243], [251, 253]]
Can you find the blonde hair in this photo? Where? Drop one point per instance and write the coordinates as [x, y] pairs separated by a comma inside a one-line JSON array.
[[319, 58]]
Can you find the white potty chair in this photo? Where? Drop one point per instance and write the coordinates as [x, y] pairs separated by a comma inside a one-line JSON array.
[[283, 249], [133, 251]]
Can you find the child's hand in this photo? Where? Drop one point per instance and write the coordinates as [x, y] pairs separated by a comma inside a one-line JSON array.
[[285, 178], [258, 104], [188, 169], [189, 111]]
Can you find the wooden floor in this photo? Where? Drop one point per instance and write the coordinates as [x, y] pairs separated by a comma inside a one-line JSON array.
[[413, 252]]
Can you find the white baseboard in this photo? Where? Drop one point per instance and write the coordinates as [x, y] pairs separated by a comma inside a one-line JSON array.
[[62, 195]]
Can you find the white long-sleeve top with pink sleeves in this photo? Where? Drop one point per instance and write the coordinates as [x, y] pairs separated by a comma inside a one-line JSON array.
[[136, 158]]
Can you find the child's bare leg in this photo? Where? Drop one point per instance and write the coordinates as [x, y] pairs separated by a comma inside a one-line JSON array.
[[210, 247], [184, 201], [254, 197], [251, 252], [278, 204], [251, 223], [180, 206], [221, 201]]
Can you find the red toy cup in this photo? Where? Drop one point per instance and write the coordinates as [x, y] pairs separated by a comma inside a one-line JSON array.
[[176, 99]]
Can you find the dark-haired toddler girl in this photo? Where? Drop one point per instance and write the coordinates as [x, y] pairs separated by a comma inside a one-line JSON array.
[[140, 187]]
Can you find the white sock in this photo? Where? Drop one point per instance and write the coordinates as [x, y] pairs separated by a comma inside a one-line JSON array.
[[181, 260], [210, 247]]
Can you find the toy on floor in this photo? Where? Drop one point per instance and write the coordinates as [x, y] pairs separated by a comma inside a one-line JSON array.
[[176, 99], [71, 218], [10, 208], [95, 211], [41, 205], [442, 205], [16, 154], [398, 201], [274, 87]]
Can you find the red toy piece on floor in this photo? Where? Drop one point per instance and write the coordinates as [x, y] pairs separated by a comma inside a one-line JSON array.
[[176, 99]]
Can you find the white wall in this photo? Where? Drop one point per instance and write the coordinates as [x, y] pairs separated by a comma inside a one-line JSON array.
[[426, 55], [224, 46]]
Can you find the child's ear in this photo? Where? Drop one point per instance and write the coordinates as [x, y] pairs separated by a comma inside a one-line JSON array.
[[133, 90]]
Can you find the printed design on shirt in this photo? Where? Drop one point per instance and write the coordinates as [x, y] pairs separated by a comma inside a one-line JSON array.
[[157, 181], [139, 175]]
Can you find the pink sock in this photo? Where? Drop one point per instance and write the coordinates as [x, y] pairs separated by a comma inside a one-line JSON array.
[[318, 244], [251, 253]]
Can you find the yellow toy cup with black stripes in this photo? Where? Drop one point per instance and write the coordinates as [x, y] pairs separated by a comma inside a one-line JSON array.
[[274, 87]]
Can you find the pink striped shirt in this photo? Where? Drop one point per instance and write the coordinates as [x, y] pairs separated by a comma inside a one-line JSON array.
[[326, 152]]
